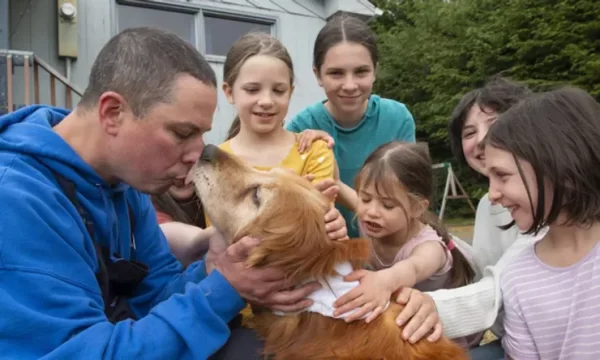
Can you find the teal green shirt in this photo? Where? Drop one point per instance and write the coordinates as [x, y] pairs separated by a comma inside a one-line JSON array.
[[385, 120]]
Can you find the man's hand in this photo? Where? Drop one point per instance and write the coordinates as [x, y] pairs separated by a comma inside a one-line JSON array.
[[335, 225], [262, 286], [420, 309]]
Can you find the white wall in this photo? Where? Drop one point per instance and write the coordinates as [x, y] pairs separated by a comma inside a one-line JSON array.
[[33, 25]]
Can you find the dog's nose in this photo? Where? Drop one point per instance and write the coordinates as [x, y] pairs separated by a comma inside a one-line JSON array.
[[209, 153]]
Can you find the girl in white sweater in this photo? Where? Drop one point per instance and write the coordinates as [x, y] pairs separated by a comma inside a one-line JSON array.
[[474, 308]]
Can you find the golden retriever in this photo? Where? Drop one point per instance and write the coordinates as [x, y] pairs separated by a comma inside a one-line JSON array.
[[286, 212]]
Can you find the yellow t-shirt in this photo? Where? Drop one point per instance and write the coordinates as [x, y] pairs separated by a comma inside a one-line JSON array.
[[318, 161]]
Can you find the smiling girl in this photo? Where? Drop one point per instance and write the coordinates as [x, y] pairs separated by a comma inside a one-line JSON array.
[[258, 81], [542, 159], [344, 62]]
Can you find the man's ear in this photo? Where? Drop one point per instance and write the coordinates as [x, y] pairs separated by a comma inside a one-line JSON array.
[[228, 91], [111, 110]]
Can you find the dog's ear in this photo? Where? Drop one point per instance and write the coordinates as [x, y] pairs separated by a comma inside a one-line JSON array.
[[293, 236], [357, 251]]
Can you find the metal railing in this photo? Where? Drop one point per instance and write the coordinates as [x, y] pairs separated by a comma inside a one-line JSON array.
[[29, 60]]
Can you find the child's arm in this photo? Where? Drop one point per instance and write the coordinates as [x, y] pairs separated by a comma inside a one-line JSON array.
[[186, 242], [517, 342], [344, 194], [465, 310], [347, 196], [376, 288], [425, 260], [320, 162]]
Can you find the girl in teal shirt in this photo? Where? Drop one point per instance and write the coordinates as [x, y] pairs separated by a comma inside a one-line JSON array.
[[345, 57]]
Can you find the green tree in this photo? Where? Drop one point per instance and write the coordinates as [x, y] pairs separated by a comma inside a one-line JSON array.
[[434, 51]]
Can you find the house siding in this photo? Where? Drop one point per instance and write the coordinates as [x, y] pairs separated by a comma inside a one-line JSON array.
[[33, 27]]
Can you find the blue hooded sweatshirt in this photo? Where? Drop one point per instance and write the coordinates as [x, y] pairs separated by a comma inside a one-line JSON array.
[[49, 297], [385, 120]]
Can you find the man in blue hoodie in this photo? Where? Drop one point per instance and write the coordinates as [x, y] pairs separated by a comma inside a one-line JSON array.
[[85, 272]]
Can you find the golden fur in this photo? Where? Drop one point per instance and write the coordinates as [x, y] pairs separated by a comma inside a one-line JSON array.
[[286, 212]]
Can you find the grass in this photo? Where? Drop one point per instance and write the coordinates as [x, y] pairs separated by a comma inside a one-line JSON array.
[[457, 222]]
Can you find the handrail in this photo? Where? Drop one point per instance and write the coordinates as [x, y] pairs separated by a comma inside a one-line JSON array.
[[24, 58]]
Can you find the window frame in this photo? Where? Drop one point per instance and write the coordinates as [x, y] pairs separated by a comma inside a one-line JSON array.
[[235, 17], [200, 10]]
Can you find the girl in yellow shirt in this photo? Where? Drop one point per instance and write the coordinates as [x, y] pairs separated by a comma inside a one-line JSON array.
[[258, 81]]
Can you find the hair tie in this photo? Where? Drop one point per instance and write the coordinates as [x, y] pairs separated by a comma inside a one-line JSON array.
[[450, 245]]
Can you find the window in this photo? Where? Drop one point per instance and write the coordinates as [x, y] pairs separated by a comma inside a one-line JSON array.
[[221, 31], [180, 23]]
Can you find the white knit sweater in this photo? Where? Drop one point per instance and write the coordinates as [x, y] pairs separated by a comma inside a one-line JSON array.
[[476, 307]]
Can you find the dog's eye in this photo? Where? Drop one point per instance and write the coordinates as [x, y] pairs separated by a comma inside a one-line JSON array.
[[256, 196]]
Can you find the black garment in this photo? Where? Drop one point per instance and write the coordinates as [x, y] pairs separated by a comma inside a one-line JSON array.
[[118, 279], [243, 344]]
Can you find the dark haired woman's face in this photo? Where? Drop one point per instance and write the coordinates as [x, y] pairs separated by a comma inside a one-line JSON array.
[[347, 76], [477, 124]]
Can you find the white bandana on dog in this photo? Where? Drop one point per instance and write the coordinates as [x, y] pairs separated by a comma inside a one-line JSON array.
[[333, 287]]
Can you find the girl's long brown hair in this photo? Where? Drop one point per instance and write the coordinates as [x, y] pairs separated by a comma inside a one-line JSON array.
[[189, 212], [410, 165]]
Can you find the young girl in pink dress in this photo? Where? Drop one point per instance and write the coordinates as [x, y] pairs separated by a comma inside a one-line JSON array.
[[410, 248]]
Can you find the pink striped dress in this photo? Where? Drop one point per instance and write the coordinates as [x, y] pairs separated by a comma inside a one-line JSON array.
[[552, 313]]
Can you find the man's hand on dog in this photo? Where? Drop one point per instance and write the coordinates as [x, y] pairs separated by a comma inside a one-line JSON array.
[[266, 286], [262, 286]]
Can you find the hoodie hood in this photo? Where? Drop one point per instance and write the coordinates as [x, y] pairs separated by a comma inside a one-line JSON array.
[[29, 131], [35, 151]]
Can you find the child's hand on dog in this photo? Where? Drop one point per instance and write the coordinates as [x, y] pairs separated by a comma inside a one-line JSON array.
[[335, 225], [371, 296], [419, 314], [329, 188]]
